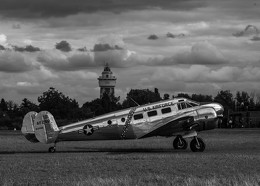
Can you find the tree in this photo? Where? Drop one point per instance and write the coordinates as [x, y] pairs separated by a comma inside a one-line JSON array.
[[63, 46], [183, 95], [11, 106], [201, 98], [166, 96], [27, 106], [3, 105], [141, 96], [102, 106], [157, 93], [93, 108], [110, 103], [225, 98], [58, 104], [243, 100]]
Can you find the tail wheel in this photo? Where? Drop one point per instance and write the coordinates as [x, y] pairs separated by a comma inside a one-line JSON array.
[[197, 145], [52, 149], [179, 143]]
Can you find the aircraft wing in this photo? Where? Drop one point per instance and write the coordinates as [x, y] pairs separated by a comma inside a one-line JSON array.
[[168, 126]]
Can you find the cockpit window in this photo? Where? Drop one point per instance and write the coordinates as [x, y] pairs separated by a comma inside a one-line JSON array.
[[188, 105], [183, 105], [193, 104], [179, 106]]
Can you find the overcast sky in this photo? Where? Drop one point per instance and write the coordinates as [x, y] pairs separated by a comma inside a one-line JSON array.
[[191, 46]]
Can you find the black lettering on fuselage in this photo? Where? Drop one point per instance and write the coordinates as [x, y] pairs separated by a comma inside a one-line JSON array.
[[39, 128], [158, 106]]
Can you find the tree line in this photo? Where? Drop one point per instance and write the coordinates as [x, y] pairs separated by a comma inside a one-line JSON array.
[[66, 110]]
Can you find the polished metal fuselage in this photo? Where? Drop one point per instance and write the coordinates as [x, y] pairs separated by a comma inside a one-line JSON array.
[[110, 126]]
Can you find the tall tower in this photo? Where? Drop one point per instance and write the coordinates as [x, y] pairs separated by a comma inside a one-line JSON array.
[[107, 82]]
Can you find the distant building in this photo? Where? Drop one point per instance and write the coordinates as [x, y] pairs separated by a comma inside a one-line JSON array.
[[107, 82], [247, 119]]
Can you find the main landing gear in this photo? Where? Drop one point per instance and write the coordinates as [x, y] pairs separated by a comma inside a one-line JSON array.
[[196, 144], [179, 143]]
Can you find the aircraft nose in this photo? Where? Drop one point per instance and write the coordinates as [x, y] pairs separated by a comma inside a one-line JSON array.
[[219, 110]]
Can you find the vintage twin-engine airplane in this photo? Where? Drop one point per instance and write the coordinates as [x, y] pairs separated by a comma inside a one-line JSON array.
[[178, 117]]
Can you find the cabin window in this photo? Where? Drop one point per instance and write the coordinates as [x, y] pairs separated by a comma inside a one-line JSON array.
[[138, 116], [152, 113], [123, 119], [179, 106], [109, 122], [166, 110]]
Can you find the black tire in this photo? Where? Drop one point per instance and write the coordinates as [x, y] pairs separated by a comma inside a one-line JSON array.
[[52, 149], [179, 143], [195, 147]]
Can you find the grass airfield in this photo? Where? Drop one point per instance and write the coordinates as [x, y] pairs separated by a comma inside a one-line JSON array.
[[231, 157]]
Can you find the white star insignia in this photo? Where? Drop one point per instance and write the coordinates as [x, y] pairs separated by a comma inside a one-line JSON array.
[[89, 130]]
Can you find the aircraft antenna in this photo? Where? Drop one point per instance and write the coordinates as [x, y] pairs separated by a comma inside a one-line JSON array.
[[134, 101]]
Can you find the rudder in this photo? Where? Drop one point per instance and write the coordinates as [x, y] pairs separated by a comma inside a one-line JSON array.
[[46, 129], [28, 127]]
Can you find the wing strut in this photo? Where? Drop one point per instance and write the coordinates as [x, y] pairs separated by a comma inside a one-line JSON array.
[[128, 120]]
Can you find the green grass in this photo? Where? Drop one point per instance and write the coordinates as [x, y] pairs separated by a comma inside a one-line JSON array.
[[231, 157]]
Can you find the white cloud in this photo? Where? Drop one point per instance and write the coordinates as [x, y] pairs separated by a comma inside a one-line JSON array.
[[26, 84], [3, 39], [208, 59], [112, 40], [27, 42], [69, 61], [203, 53], [11, 61]]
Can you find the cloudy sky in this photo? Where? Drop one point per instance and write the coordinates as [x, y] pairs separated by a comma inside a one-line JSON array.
[[191, 46]]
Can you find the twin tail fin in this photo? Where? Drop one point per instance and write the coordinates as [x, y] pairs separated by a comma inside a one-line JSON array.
[[40, 127]]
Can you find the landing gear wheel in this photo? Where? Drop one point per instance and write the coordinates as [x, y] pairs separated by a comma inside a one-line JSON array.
[[179, 143], [52, 149], [197, 145]]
